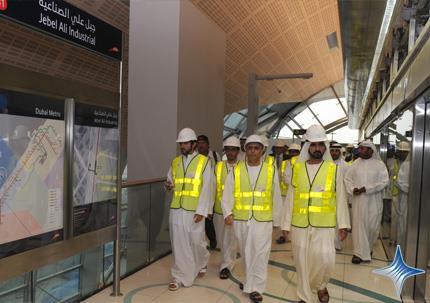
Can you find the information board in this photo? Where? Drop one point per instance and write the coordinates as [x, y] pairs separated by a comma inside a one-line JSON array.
[[65, 21], [96, 138], [32, 131]]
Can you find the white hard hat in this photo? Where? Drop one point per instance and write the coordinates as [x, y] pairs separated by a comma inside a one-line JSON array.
[[264, 140], [280, 143], [316, 133], [186, 135], [294, 146], [231, 141], [350, 146], [20, 132], [254, 139], [404, 146]]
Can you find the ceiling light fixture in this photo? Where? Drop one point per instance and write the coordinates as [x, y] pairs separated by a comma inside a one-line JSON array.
[[332, 40]]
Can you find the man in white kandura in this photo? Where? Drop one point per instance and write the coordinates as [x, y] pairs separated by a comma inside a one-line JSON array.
[[285, 182], [400, 199], [365, 181], [225, 233], [251, 196], [336, 154], [189, 177], [317, 202]]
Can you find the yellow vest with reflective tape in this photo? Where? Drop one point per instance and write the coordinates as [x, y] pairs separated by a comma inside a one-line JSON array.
[[270, 160], [254, 203], [221, 174], [188, 183], [283, 185], [314, 203], [394, 187]]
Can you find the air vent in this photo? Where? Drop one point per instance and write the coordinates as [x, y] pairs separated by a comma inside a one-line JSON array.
[[332, 40]]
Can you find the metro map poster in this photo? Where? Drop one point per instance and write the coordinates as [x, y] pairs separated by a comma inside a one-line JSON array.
[[32, 134]]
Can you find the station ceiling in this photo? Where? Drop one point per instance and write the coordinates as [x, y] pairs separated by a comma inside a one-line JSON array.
[[277, 37]]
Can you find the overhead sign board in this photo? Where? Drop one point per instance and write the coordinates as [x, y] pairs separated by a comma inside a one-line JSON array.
[[67, 22], [299, 132]]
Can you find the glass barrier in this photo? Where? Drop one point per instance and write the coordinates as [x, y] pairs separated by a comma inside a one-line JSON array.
[[145, 238]]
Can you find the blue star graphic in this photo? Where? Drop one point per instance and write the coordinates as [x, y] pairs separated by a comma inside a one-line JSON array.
[[398, 271]]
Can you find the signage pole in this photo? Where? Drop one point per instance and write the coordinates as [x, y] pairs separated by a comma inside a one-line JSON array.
[[117, 253], [69, 118]]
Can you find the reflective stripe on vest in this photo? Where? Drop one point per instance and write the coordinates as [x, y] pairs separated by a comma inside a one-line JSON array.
[[270, 160], [188, 183], [221, 174], [314, 203], [394, 187], [283, 185], [257, 203]]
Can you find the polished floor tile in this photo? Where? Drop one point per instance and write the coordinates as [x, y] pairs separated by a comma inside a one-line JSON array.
[[350, 283]]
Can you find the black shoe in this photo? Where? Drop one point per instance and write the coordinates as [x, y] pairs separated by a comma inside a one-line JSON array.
[[224, 274], [240, 286], [256, 297], [356, 260], [281, 240]]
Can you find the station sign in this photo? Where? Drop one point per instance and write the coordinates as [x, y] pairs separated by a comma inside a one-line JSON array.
[[65, 21]]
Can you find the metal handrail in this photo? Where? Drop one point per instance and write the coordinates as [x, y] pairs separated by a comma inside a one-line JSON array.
[[142, 182], [59, 273], [12, 290]]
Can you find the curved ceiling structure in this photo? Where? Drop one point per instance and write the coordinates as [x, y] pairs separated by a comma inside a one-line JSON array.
[[281, 119], [277, 37]]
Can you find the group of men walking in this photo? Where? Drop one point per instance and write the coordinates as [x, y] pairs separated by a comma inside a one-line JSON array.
[[250, 192]]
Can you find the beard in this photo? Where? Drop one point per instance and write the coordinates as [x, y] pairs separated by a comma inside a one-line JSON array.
[[365, 156], [316, 155]]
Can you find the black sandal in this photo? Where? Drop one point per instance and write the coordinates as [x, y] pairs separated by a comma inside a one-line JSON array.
[[224, 274], [256, 297], [281, 240]]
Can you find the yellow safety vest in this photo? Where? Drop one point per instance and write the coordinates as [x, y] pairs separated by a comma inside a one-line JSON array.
[[221, 174], [314, 202], [270, 160], [283, 185], [394, 187], [254, 202], [187, 183]]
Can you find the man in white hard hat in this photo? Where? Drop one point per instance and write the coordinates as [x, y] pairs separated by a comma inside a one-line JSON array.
[[365, 181], [225, 233], [400, 191], [279, 151], [285, 172], [189, 177], [317, 203], [251, 196], [204, 149]]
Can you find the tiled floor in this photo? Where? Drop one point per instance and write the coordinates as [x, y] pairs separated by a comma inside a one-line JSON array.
[[350, 283]]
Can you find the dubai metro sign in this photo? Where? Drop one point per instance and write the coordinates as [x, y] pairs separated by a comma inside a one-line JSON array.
[[65, 21]]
